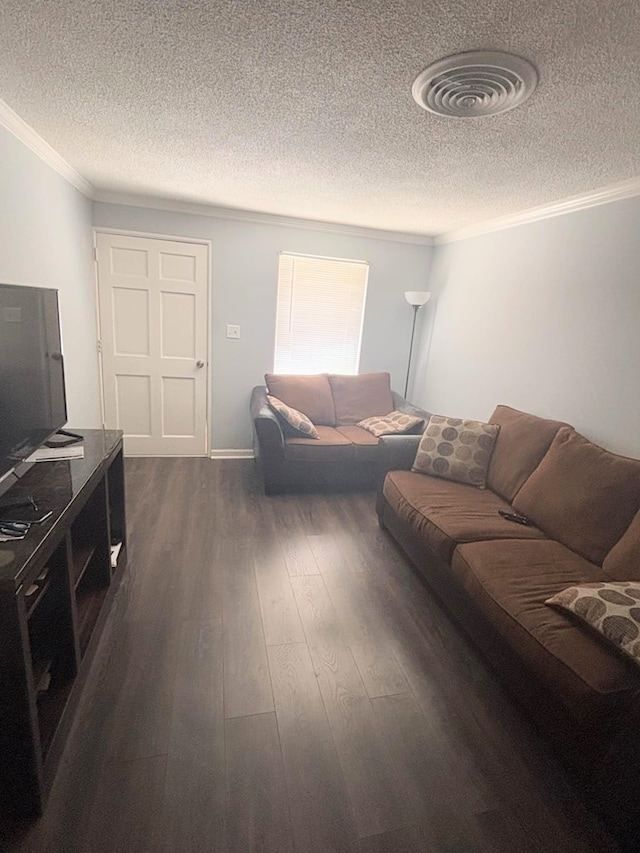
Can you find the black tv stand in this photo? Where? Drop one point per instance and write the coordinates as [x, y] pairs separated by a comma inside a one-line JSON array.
[[67, 438], [56, 587]]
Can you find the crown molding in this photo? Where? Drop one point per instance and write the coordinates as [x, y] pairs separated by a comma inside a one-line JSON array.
[[257, 218], [573, 204], [12, 122], [19, 128]]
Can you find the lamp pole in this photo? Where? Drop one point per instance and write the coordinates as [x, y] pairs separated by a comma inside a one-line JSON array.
[[415, 298], [416, 308]]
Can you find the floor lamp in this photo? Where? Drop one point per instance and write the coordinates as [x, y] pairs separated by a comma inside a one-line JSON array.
[[415, 298]]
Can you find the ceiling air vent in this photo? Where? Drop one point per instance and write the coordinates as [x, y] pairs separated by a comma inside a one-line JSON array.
[[479, 83]]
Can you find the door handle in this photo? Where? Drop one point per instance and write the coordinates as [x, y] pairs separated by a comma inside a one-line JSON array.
[[199, 363]]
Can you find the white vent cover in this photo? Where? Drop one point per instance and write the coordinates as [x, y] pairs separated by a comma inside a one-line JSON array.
[[479, 83]]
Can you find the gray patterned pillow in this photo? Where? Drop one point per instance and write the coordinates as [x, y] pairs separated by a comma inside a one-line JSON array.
[[293, 418], [394, 423], [456, 449], [611, 609]]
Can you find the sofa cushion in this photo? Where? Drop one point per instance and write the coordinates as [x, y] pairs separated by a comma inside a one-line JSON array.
[[623, 560], [510, 581], [522, 442], [310, 395], [456, 449], [395, 423], [358, 397], [611, 609], [292, 419], [330, 446], [445, 513], [366, 447], [582, 495]]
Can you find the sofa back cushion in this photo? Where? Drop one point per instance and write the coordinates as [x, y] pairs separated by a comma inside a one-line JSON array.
[[623, 560], [521, 444], [359, 397], [310, 395], [582, 495]]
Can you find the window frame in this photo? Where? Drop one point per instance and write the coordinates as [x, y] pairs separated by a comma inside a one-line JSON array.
[[364, 284]]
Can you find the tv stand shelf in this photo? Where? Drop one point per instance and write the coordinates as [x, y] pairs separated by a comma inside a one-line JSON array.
[[48, 637]]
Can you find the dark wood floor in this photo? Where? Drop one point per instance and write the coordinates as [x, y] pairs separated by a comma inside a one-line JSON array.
[[275, 677]]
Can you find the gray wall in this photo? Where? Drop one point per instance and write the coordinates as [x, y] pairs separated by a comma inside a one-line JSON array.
[[544, 317], [45, 227], [244, 287]]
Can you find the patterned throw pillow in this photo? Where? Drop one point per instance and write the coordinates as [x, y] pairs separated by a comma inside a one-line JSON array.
[[456, 449], [612, 609], [295, 419], [394, 423]]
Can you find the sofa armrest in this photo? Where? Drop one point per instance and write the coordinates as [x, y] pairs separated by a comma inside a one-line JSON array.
[[397, 452], [402, 405], [268, 435]]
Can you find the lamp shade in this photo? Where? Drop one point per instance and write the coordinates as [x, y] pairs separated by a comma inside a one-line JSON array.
[[417, 297]]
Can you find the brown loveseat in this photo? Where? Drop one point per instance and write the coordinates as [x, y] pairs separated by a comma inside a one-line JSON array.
[[494, 576], [345, 456]]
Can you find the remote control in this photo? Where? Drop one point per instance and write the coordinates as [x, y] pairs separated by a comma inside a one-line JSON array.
[[12, 532], [19, 526], [514, 516]]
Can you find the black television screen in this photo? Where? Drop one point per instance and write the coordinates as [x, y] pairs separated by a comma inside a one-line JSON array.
[[32, 393]]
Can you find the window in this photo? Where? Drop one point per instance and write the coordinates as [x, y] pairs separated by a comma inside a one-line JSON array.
[[320, 313]]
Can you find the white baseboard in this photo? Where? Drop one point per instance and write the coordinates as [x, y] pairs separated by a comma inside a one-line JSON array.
[[231, 453]]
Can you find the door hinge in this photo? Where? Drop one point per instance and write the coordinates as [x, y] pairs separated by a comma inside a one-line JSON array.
[[99, 346]]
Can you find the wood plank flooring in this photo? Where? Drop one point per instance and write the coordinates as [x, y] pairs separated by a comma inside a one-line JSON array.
[[275, 677]]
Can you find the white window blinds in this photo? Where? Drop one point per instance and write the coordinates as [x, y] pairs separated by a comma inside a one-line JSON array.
[[320, 314]]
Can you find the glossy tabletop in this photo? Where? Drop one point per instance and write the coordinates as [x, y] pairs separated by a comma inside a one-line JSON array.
[[54, 486]]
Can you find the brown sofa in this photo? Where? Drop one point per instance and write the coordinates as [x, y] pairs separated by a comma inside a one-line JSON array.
[[345, 456], [494, 576]]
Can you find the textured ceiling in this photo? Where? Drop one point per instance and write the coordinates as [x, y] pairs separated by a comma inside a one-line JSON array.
[[304, 108]]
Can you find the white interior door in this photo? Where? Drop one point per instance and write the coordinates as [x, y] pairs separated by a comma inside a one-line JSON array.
[[153, 323]]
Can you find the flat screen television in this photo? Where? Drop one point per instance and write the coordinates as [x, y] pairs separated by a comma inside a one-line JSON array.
[[32, 391]]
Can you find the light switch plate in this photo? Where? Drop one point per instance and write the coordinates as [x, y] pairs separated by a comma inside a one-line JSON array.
[[233, 331]]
